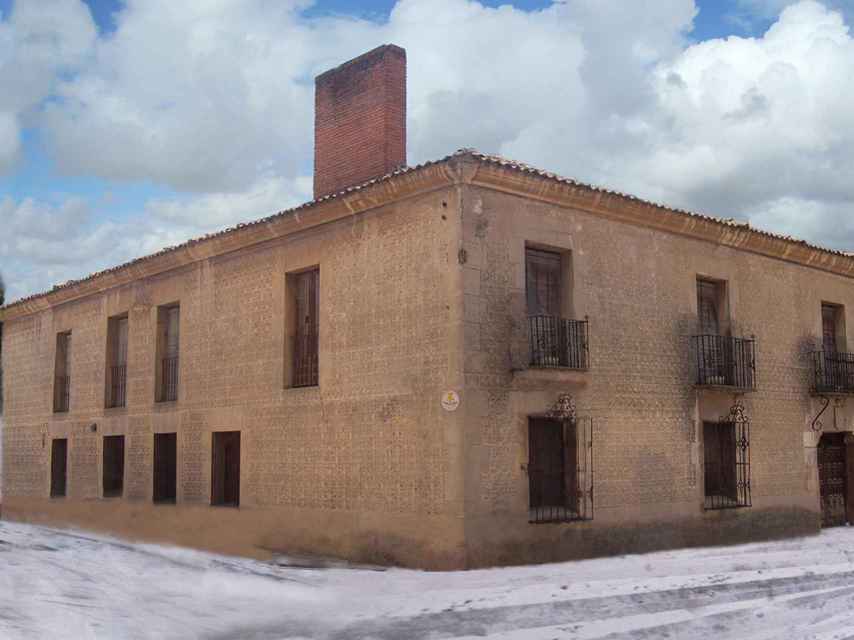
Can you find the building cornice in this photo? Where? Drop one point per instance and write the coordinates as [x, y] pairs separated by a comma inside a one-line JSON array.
[[500, 176]]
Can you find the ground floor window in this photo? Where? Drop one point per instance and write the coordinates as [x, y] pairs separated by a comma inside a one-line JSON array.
[[225, 469], [58, 467], [165, 467], [560, 458], [114, 466], [726, 462]]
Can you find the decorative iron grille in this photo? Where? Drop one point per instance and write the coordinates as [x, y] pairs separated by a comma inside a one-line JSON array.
[[558, 342], [62, 394], [726, 362], [726, 461], [118, 386], [833, 372], [560, 470], [169, 379]]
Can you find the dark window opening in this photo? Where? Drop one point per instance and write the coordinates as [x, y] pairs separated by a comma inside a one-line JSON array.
[[554, 340], [165, 467], [114, 466], [726, 461], [560, 470], [58, 467], [62, 378], [225, 469], [117, 357], [168, 350], [305, 287]]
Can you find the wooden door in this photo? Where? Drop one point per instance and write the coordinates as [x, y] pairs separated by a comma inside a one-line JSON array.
[[165, 467], [58, 467], [833, 480], [114, 465], [225, 469]]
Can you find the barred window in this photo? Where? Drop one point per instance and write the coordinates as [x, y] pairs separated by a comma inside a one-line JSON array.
[[168, 351], [560, 470], [304, 328], [62, 376], [726, 461]]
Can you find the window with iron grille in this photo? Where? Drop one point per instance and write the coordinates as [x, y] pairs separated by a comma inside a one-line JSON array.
[[114, 466], [726, 463], [62, 377], [560, 470], [168, 349], [554, 340], [304, 328], [117, 356]]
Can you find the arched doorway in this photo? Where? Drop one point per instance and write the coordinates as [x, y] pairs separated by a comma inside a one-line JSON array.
[[833, 479]]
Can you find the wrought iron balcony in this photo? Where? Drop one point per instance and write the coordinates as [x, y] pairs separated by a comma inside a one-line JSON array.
[[833, 372], [723, 361], [557, 342]]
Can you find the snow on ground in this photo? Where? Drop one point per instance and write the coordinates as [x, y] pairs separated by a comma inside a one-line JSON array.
[[63, 584]]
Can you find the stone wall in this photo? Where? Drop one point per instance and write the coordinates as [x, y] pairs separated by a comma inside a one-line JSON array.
[[358, 466]]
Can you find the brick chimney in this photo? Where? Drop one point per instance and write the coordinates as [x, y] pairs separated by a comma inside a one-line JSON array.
[[360, 120]]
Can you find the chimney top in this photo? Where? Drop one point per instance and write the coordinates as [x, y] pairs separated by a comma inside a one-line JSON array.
[[360, 120]]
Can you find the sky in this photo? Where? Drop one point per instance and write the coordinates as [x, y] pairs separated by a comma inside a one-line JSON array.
[[130, 125]]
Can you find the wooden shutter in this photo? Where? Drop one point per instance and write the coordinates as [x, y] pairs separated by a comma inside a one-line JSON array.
[[307, 300], [58, 467], [707, 307], [542, 282], [165, 467], [828, 328], [570, 466], [114, 465]]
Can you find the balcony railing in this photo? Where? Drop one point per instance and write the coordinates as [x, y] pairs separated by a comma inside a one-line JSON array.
[[169, 379], [61, 394], [723, 361], [558, 342], [833, 372], [118, 386]]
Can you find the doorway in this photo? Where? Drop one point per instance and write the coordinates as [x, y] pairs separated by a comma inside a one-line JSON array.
[[833, 479], [225, 469]]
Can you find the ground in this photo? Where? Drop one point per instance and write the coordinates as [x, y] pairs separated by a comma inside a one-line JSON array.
[[72, 584]]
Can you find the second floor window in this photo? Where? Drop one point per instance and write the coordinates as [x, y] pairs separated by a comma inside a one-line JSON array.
[[710, 307], [168, 349], [306, 300], [543, 285], [832, 335], [62, 377], [117, 357]]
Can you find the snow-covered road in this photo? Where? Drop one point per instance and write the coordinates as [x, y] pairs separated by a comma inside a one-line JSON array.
[[60, 584]]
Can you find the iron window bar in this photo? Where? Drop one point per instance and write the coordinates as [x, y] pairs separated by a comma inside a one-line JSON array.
[[723, 361], [727, 467], [561, 487], [169, 379], [557, 342], [833, 372], [62, 394], [118, 386]]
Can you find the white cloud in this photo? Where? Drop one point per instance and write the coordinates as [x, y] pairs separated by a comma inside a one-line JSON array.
[[215, 99], [38, 41]]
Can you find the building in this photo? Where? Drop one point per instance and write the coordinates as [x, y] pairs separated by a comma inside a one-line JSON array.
[[465, 363]]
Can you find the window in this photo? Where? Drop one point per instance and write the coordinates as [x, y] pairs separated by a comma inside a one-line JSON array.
[[62, 368], [168, 348], [58, 467], [165, 467], [117, 357], [712, 312], [726, 462], [559, 470], [554, 340], [832, 328], [303, 327], [543, 282], [114, 466], [225, 469]]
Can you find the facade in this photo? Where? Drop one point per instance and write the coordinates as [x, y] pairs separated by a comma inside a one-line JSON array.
[[461, 364]]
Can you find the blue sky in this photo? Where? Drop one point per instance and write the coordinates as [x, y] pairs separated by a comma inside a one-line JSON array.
[[192, 117]]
